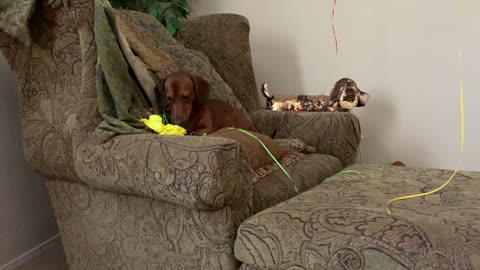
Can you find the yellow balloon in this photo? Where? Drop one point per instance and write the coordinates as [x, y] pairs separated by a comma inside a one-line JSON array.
[[154, 122]]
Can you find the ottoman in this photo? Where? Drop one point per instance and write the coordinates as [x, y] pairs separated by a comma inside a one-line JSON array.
[[342, 224]]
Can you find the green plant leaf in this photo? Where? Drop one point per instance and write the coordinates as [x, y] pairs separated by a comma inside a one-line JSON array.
[[171, 28], [173, 22], [159, 9], [162, 5], [148, 5], [179, 12], [153, 12], [167, 12]]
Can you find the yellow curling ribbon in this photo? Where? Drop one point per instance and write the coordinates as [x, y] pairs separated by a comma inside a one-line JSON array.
[[458, 162]]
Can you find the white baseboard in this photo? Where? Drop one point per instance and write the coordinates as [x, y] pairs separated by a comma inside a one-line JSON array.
[[15, 263]]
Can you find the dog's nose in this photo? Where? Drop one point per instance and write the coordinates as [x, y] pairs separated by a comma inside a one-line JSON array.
[[363, 99]]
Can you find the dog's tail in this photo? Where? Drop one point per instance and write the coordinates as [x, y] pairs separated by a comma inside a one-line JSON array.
[[265, 92]]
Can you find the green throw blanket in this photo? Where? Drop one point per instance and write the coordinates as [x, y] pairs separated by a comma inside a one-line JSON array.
[[134, 52], [119, 94]]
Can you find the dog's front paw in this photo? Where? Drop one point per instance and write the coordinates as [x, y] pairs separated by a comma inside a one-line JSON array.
[[144, 113]]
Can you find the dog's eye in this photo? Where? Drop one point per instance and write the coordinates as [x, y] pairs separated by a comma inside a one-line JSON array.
[[169, 98], [184, 98]]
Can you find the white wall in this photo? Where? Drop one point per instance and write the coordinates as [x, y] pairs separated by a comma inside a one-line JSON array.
[[26, 215], [403, 52]]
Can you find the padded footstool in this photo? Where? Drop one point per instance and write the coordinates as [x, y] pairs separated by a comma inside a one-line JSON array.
[[342, 224]]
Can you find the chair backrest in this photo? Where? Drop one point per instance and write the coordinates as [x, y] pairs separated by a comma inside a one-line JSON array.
[[50, 76], [228, 48], [56, 76]]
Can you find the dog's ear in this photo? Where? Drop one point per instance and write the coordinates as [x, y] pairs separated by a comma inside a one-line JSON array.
[[161, 95], [362, 98], [201, 90]]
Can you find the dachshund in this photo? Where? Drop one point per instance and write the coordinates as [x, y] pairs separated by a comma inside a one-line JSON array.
[[345, 95], [268, 96], [186, 95]]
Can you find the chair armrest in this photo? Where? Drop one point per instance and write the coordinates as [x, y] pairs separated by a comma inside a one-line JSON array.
[[224, 39], [204, 173], [333, 133]]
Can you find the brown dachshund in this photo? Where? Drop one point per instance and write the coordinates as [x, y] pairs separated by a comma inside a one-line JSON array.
[[345, 95], [190, 107]]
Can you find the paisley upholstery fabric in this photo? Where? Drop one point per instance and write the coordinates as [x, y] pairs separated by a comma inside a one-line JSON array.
[[106, 230], [14, 18], [331, 133], [138, 201], [194, 172], [307, 172], [224, 38], [342, 224], [51, 75]]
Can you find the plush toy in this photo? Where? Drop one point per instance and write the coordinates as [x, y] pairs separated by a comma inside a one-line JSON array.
[[267, 95], [344, 96], [288, 105], [307, 104], [155, 123]]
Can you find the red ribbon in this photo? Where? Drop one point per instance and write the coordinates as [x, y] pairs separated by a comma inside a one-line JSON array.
[[333, 25]]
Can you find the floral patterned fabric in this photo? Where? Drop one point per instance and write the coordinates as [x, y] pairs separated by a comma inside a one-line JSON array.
[[342, 224], [336, 134], [138, 201], [51, 75], [224, 38], [14, 18], [196, 172], [307, 172], [106, 230]]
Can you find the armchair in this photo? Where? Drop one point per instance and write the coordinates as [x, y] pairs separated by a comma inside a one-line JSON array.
[[149, 201]]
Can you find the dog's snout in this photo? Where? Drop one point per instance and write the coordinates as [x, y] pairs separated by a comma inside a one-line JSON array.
[[363, 99]]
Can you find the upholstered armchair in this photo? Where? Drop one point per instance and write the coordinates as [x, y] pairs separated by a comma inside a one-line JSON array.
[[148, 201]]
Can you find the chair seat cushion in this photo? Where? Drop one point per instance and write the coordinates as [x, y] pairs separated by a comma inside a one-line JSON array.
[[307, 172], [342, 224]]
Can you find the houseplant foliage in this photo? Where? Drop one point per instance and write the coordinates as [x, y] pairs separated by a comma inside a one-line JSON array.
[[168, 12]]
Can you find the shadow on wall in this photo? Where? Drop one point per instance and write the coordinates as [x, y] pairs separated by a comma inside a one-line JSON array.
[[26, 214], [378, 121], [268, 57]]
